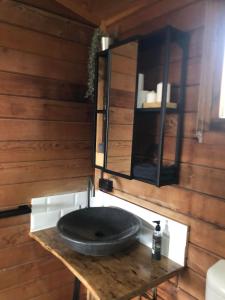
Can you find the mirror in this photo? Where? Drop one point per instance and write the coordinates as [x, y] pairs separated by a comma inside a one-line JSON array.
[[222, 92], [99, 146], [122, 89]]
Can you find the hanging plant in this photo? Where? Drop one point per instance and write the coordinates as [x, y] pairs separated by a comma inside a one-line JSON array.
[[95, 45]]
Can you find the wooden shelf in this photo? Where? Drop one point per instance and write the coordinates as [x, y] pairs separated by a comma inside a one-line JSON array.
[[115, 277], [144, 110], [156, 107]]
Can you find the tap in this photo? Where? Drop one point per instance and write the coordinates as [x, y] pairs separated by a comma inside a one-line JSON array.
[[90, 190]]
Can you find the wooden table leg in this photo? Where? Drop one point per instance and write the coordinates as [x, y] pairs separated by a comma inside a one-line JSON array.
[[76, 290]]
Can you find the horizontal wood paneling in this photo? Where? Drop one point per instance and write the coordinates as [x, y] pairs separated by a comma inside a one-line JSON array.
[[38, 287], [154, 11], [193, 72], [21, 193], [208, 155], [14, 151], [123, 99], [65, 292], [21, 62], [169, 291], [120, 131], [193, 283], [179, 18], [203, 179], [45, 138], [174, 198], [30, 18], [123, 82], [119, 148], [43, 109], [27, 272], [29, 41], [16, 254], [14, 235], [20, 130], [33, 86], [200, 260], [122, 64], [121, 116], [20, 172], [129, 51]]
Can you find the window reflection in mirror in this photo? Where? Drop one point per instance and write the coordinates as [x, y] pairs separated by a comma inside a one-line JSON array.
[[99, 155], [222, 92]]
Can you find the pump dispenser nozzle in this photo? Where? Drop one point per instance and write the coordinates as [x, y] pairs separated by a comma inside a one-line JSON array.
[[157, 228]]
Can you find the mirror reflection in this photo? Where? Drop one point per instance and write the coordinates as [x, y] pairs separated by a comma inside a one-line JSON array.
[[121, 107]]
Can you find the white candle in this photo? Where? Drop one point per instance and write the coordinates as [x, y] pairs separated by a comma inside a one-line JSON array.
[[140, 88], [151, 97], [159, 92], [144, 96]]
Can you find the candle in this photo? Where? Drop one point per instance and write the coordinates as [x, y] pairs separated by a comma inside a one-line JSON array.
[[151, 97], [159, 92], [140, 89]]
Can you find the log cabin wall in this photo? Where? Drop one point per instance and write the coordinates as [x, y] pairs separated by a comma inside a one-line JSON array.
[[198, 200], [45, 143]]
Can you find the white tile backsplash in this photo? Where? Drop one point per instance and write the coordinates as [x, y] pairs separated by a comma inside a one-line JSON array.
[[40, 205], [81, 199], [67, 210], [46, 211], [44, 220], [60, 201]]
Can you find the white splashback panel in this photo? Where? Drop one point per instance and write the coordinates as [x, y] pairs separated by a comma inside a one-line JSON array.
[[178, 233], [46, 211]]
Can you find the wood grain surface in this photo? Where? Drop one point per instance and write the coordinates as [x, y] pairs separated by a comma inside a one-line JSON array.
[[121, 276]]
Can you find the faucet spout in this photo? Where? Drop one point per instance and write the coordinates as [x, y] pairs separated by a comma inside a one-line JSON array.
[[91, 190]]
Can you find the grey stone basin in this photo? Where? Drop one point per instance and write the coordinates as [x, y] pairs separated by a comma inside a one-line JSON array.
[[99, 231]]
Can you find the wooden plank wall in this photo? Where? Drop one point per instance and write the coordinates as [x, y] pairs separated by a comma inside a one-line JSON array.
[[198, 200], [45, 138]]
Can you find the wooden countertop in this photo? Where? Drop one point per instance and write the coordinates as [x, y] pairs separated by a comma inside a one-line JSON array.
[[119, 277]]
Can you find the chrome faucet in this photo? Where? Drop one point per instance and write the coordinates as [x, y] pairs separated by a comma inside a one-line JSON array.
[[90, 190]]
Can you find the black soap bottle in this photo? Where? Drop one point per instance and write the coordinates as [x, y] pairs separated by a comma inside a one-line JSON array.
[[156, 241]]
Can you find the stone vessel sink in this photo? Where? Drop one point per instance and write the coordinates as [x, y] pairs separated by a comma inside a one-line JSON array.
[[99, 231]]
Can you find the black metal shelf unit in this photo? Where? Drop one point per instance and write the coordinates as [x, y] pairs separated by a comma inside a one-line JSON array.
[[155, 129], [157, 132]]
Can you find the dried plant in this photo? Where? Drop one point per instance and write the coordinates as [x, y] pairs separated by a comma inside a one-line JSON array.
[[94, 48]]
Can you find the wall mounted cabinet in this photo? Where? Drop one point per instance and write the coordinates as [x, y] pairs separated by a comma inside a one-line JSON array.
[[138, 132]]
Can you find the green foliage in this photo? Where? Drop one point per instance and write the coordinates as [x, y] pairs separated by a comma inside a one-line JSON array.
[[95, 44]]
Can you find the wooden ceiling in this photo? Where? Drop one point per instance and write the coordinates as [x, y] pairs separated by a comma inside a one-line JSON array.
[[94, 12]]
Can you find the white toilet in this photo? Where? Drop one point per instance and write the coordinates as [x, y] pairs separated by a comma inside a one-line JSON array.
[[215, 281]]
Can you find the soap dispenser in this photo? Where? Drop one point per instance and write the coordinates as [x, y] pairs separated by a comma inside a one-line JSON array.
[[156, 241], [166, 240]]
